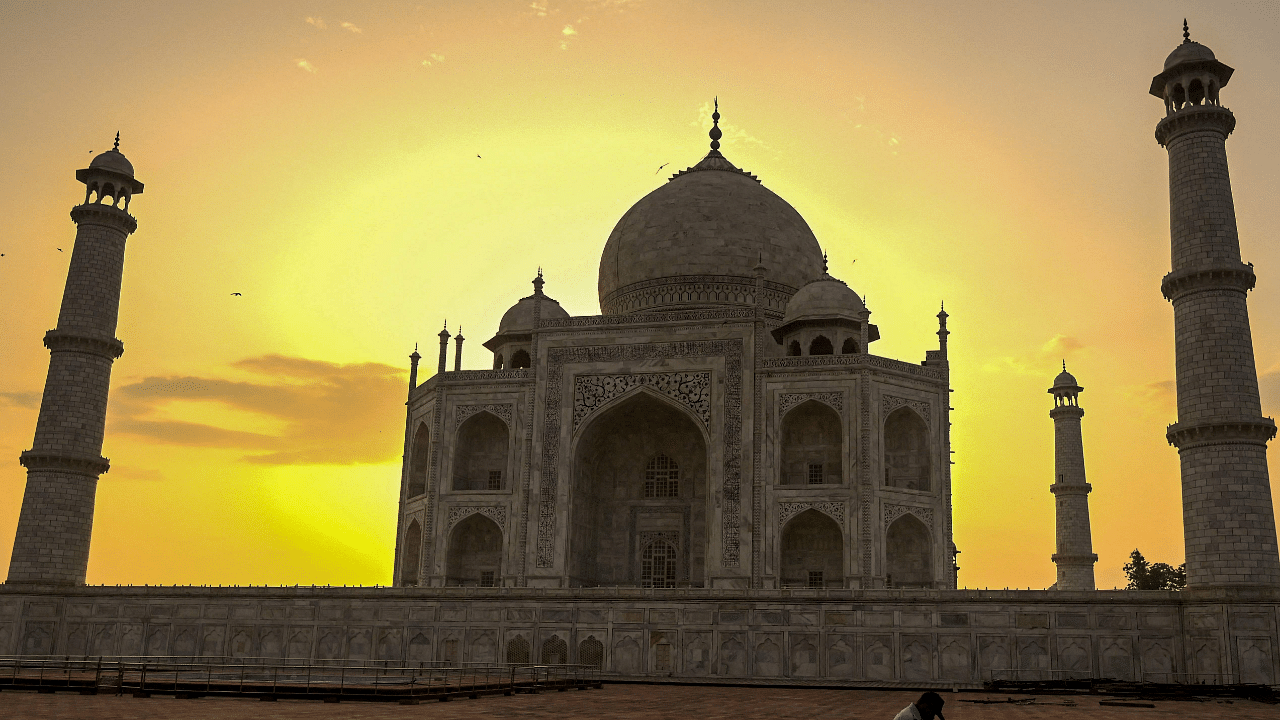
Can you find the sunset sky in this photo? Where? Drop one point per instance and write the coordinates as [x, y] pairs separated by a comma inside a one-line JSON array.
[[321, 159]]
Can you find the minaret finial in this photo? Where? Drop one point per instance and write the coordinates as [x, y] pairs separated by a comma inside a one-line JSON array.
[[538, 282], [1186, 31], [117, 145], [715, 126], [824, 262], [1064, 365]]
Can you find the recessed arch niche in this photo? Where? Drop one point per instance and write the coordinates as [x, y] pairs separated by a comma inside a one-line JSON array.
[[812, 445], [418, 461], [908, 553], [812, 552], [480, 454], [612, 521], [411, 554], [906, 451], [475, 553]]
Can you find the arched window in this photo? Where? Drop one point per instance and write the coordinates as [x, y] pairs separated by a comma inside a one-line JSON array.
[[661, 477], [555, 651], [793, 349], [480, 458], [658, 565], [908, 556], [519, 360], [850, 347], [591, 652], [1195, 92], [821, 346], [475, 553], [811, 445], [497, 361], [410, 554], [906, 451], [812, 552], [518, 651], [1179, 97], [418, 461]]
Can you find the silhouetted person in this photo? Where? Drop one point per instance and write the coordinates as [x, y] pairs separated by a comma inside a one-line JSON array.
[[928, 707]]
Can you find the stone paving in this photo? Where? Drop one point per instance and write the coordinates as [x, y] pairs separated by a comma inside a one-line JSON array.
[[629, 701]]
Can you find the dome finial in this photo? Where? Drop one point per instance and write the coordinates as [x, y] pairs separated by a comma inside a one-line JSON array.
[[1186, 31], [117, 145], [715, 126], [824, 262], [538, 282], [1064, 365]]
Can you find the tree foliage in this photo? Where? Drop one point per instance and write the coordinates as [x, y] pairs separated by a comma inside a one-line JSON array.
[[1153, 576]]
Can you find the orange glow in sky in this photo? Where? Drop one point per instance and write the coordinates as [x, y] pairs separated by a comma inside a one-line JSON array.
[[321, 159]]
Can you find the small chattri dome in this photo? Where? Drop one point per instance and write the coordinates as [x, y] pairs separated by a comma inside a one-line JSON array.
[[519, 319], [114, 161], [1065, 382], [824, 299], [1189, 51]]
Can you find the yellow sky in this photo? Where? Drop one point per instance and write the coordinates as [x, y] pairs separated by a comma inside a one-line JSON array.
[[320, 158]]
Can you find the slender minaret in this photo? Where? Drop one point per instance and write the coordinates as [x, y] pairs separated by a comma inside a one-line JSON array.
[[1221, 436], [1074, 557], [444, 347], [64, 462], [457, 357]]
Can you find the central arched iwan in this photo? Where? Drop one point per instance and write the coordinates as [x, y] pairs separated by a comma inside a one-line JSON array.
[[639, 474]]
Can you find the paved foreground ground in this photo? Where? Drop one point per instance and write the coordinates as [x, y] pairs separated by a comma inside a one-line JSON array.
[[629, 702]]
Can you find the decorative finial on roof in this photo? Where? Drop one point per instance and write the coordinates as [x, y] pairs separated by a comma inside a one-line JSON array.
[[117, 145], [824, 262], [715, 126], [538, 282], [1186, 31], [1064, 361], [942, 312]]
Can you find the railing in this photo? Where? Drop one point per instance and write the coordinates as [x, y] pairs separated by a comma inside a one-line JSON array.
[[269, 678], [1038, 675]]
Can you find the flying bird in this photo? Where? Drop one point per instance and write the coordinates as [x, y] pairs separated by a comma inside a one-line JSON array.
[[59, 249], [655, 172], [237, 294], [479, 156]]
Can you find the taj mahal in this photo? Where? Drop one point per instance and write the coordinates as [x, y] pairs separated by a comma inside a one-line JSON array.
[[716, 477]]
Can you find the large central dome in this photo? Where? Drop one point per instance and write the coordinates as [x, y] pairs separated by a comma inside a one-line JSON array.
[[695, 243]]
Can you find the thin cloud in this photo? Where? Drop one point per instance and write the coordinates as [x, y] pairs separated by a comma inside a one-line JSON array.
[[351, 27], [568, 30], [317, 22], [302, 63], [1155, 398], [1041, 361], [29, 400], [539, 8], [125, 472], [733, 134], [433, 59], [328, 413]]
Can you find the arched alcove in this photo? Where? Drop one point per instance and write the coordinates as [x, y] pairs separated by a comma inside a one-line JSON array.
[[850, 347], [480, 455], [555, 651], [793, 348], [419, 458], [410, 555], [906, 451], [518, 651], [519, 360], [908, 553], [591, 652], [821, 345], [812, 552], [497, 361], [612, 518], [811, 445], [475, 553]]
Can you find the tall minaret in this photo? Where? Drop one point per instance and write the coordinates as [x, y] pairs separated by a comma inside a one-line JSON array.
[[64, 462], [1221, 436], [1074, 557]]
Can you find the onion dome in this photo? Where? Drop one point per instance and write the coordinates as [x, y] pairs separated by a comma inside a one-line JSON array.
[[825, 301], [1065, 383], [695, 242], [517, 322], [111, 166]]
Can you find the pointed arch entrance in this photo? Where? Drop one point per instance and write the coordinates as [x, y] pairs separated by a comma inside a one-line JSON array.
[[639, 492], [475, 553], [812, 552], [908, 553]]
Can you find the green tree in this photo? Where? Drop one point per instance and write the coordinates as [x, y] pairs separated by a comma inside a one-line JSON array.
[[1153, 576]]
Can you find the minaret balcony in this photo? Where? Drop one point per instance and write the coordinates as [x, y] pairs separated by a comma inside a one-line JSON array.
[[1195, 117], [83, 341], [1249, 430], [65, 462], [1229, 276], [103, 214]]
